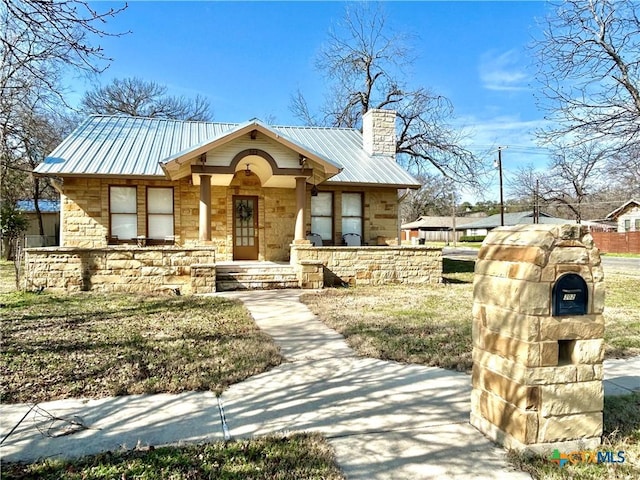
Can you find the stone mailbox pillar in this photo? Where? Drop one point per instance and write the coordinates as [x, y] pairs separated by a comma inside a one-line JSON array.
[[538, 338]]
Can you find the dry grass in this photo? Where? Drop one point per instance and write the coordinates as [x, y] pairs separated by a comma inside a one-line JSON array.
[[91, 345], [431, 324], [621, 434], [292, 457], [7, 276], [428, 325], [622, 316]]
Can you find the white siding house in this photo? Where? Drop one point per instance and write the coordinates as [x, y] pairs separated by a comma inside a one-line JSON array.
[[627, 217]]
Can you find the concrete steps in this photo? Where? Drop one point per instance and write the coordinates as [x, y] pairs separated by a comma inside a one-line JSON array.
[[255, 276]]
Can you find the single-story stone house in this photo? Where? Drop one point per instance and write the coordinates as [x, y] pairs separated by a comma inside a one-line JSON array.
[[227, 192]]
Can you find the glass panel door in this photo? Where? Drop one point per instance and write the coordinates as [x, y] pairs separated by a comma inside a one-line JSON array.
[[245, 228]]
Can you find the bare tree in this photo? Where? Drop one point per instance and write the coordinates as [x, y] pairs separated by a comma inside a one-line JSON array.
[[623, 168], [365, 65], [433, 198], [573, 175], [39, 40], [589, 62], [140, 98]]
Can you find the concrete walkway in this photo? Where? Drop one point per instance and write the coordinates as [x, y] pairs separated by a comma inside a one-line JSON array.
[[384, 419]]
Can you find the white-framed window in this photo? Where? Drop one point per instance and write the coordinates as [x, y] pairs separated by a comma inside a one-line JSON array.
[[627, 225], [322, 215], [123, 212], [160, 223], [352, 213]]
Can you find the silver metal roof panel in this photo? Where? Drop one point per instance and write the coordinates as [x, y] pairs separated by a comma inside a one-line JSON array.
[[123, 145]]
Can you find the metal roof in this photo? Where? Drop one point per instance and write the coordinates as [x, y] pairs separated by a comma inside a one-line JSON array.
[[514, 218], [124, 145], [427, 222]]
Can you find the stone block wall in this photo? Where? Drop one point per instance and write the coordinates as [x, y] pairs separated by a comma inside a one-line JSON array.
[[379, 132], [537, 378], [203, 278], [85, 213], [84, 221], [119, 269], [368, 265], [380, 210]]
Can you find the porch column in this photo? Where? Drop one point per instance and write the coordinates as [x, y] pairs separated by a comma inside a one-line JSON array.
[[204, 232], [301, 184]]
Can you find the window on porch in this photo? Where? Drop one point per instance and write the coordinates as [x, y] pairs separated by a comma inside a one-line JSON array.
[[322, 215], [160, 225], [123, 213], [352, 213]]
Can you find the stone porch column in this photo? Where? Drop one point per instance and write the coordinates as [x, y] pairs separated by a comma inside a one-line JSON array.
[[204, 231], [301, 184]]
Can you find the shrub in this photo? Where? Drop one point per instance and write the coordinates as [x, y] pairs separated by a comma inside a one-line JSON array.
[[472, 238]]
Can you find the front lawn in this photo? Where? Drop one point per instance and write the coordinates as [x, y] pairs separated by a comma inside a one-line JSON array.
[[93, 345], [292, 457], [431, 324]]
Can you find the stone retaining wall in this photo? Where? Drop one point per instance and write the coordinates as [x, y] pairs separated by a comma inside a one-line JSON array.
[[366, 265], [123, 269]]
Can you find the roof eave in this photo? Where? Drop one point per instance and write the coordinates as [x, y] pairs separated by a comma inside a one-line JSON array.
[[372, 184], [331, 168]]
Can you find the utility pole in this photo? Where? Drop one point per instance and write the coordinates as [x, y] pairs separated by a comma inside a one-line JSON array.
[[498, 164], [536, 203], [453, 217]]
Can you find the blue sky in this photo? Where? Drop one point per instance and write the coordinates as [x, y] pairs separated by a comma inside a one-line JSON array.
[[248, 58]]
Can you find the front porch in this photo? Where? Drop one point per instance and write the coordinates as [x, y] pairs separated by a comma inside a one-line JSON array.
[[195, 270]]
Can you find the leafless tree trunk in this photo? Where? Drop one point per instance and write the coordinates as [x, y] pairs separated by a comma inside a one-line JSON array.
[[365, 64], [39, 40], [589, 61], [572, 176]]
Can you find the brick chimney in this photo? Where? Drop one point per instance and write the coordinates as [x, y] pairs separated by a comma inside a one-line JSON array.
[[379, 132]]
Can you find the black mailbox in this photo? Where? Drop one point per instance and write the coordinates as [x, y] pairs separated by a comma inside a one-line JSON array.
[[570, 295]]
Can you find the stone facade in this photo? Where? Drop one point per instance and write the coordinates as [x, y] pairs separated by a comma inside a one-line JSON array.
[[379, 132], [380, 214], [121, 269], [537, 378], [332, 266], [85, 213]]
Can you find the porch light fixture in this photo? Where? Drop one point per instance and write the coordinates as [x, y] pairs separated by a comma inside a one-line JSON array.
[[247, 172], [314, 190]]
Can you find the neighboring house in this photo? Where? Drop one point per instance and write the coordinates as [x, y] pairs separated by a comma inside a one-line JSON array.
[[250, 190], [434, 229], [485, 225], [627, 217], [50, 212]]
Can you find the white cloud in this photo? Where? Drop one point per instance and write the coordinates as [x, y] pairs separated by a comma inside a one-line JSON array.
[[502, 71]]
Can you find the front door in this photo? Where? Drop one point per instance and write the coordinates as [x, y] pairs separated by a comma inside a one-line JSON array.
[[245, 228]]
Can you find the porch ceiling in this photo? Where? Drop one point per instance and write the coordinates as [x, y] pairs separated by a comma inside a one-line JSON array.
[[269, 176]]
